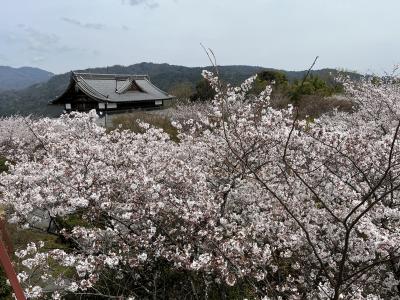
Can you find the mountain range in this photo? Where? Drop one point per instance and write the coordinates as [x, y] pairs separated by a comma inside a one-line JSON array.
[[20, 78], [34, 99]]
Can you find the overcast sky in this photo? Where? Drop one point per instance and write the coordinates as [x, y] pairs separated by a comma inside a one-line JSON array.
[[63, 35]]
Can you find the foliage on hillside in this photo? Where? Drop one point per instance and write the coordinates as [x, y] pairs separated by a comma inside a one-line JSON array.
[[312, 96]]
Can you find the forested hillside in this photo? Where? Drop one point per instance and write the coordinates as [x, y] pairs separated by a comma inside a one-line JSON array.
[[34, 99], [20, 78]]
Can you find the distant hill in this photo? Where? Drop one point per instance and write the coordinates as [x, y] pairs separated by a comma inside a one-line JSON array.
[[20, 78], [34, 99]]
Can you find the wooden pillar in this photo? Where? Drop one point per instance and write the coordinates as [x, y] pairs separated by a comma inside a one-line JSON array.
[[7, 265], [105, 116]]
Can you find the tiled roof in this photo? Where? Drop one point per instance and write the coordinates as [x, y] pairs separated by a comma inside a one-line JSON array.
[[117, 88]]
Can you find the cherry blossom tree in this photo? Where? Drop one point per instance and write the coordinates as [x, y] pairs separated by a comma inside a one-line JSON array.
[[251, 200]]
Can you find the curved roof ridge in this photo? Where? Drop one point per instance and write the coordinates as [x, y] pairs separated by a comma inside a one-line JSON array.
[[111, 76], [157, 88], [86, 86], [125, 86]]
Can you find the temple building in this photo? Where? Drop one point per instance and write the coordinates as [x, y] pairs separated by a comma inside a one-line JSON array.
[[110, 92]]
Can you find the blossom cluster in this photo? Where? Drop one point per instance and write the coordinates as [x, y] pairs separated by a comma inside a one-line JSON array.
[[250, 194]]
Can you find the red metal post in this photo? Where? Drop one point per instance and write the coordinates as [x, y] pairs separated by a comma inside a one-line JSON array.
[[8, 267]]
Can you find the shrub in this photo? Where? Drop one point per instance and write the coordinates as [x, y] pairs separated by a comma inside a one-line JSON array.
[[203, 92], [132, 121]]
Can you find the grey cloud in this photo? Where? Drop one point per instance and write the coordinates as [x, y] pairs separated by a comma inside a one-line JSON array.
[[42, 37], [149, 3], [152, 5], [12, 38], [38, 42], [137, 2], [96, 26]]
